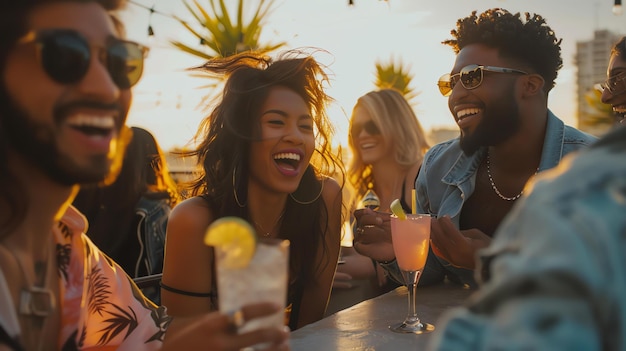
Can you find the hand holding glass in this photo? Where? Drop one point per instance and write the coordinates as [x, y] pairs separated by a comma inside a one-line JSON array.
[[263, 280], [410, 238]]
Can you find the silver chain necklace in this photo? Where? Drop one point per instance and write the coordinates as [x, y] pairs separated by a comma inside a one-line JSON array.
[[493, 185]]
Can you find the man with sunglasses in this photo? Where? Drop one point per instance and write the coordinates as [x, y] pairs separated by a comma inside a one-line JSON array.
[[64, 97], [554, 275], [498, 95]]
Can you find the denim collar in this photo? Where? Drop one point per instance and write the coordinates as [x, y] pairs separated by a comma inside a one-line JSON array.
[[465, 166]]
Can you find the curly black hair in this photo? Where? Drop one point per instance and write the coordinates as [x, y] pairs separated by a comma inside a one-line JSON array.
[[531, 40]]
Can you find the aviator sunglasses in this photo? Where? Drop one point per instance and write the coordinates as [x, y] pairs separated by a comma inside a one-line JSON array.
[[616, 84], [470, 76], [370, 127], [65, 56]]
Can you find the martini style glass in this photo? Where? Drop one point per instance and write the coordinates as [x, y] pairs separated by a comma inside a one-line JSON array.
[[410, 239]]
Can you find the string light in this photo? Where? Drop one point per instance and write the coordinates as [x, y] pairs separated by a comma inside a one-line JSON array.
[[150, 29], [617, 7], [351, 2], [152, 11]]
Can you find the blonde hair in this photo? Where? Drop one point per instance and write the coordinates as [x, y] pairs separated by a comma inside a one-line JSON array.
[[395, 118]]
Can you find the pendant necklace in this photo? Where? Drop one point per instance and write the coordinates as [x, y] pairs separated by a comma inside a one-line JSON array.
[[36, 301], [268, 233]]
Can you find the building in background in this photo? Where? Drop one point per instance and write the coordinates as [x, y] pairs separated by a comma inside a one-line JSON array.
[[592, 59], [182, 169]]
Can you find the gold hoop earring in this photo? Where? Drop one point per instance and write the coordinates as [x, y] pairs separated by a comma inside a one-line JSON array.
[[309, 202], [235, 190]]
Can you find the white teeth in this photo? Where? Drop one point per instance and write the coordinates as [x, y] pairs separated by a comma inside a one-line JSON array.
[[619, 109], [467, 112], [288, 156], [367, 145], [81, 120]]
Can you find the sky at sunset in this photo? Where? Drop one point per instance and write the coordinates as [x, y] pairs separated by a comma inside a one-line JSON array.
[[167, 100]]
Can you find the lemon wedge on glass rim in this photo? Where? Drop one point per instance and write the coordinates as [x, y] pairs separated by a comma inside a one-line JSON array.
[[235, 238], [396, 208]]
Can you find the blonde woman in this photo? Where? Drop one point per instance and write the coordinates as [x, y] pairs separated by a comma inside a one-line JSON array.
[[388, 144]]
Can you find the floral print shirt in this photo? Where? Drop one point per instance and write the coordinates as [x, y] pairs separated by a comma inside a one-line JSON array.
[[101, 308]]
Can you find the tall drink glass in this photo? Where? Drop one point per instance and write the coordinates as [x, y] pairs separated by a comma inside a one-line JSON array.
[[410, 238], [263, 280]]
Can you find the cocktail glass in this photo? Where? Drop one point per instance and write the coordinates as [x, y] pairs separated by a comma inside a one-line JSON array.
[[410, 239], [263, 280]]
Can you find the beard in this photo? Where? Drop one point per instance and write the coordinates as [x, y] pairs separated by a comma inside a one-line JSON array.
[[500, 121], [36, 143]]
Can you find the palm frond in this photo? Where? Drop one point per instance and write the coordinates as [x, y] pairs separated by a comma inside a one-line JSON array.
[[191, 50], [223, 36], [396, 75]]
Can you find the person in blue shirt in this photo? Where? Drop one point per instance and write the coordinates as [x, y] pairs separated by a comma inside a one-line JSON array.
[[497, 90], [554, 277]]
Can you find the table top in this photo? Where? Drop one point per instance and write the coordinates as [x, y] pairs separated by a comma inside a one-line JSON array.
[[365, 326]]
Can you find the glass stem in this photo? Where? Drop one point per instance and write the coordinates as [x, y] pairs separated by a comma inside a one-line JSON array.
[[411, 278]]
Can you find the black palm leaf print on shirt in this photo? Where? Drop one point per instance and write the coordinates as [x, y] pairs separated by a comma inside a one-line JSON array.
[[99, 291], [119, 319], [63, 251]]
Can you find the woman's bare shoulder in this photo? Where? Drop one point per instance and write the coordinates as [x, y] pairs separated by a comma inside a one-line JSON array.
[[191, 213], [331, 186]]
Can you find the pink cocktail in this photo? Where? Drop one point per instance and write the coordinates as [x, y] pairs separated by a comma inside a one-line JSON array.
[[411, 239]]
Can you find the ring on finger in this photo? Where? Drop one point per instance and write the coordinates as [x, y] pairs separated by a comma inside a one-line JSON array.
[[235, 320], [359, 231]]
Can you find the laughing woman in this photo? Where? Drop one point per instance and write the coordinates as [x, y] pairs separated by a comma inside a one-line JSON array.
[[266, 157]]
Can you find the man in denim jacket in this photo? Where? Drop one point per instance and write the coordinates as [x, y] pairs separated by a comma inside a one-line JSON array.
[[555, 274], [498, 94]]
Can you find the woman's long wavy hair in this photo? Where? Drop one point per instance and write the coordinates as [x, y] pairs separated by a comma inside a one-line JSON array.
[[227, 133], [13, 25], [397, 122]]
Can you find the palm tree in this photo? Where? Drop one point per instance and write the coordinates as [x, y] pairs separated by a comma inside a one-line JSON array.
[[395, 75], [220, 36]]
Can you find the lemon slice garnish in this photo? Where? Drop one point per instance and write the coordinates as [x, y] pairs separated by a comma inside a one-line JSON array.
[[396, 208], [235, 238]]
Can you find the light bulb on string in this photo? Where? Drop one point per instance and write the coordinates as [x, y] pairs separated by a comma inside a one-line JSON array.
[[617, 7], [150, 29]]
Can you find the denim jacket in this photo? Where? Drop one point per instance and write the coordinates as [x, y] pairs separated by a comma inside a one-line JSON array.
[[152, 223], [447, 179], [555, 274], [153, 214]]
